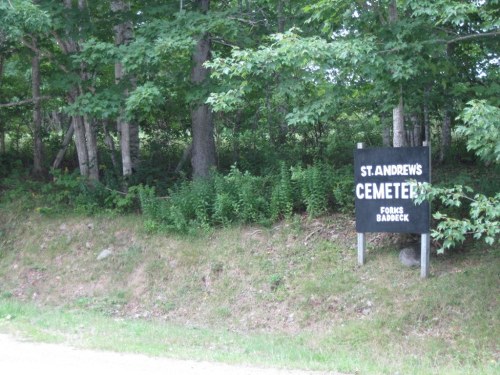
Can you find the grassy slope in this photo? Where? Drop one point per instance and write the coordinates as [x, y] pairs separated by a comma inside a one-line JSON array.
[[291, 295]]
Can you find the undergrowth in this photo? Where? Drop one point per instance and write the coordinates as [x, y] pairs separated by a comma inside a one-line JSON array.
[[243, 198]]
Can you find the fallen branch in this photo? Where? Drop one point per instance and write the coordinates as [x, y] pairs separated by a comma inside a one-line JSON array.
[[312, 234]]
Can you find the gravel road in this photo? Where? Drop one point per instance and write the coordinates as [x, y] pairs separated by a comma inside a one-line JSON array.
[[20, 357]]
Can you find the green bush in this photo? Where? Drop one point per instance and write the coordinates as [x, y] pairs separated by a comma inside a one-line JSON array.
[[239, 197], [282, 197], [343, 189], [316, 187]]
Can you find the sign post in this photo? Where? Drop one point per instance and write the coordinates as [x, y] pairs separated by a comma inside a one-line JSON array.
[[425, 238], [361, 236], [386, 181]]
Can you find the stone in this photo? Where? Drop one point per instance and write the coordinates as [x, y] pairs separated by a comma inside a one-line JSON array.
[[105, 254], [409, 257]]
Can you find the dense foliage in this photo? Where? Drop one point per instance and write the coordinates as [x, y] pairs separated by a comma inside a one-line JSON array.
[[237, 110]]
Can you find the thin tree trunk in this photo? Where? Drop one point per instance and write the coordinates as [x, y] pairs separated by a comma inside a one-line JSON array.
[[124, 131], [91, 149], [2, 141], [2, 131], [427, 125], [447, 118], [398, 124], [185, 156], [386, 130], [236, 141], [81, 145], [134, 145], [445, 133], [110, 143], [283, 128], [129, 132], [83, 140], [281, 17], [393, 11], [416, 133], [37, 117], [67, 139], [203, 157]]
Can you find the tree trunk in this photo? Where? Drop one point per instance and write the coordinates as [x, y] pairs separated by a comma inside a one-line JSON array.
[[67, 139], [282, 110], [81, 145], [416, 133], [128, 132], [203, 157], [398, 124], [134, 145], [386, 130], [281, 17], [447, 117], [236, 140], [185, 156], [91, 142], [393, 11], [445, 133], [37, 117], [110, 143], [85, 142], [2, 130], [2, 141], [427, 125]]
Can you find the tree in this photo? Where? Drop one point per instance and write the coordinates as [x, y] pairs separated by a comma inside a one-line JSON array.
[[203, 152], [482, 131], [128, 130], [37, 115]]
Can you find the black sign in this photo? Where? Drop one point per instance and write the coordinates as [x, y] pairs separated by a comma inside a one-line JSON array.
[[384, 191]]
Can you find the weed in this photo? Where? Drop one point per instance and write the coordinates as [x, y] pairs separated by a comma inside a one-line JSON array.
[[275, 281]]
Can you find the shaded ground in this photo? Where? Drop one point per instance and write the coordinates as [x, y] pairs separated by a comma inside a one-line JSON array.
[[29, 358]]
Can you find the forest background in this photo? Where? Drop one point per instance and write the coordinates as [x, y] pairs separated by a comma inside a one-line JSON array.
[[204, 113], [176, 179]]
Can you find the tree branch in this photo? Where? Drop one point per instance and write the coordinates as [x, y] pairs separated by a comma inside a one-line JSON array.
[[223, 42], [447, 42], [44, 54], [22, 102], [473, 36]]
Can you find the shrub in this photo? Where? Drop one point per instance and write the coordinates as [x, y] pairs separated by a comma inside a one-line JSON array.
[[244, 198], [316, 187], [282, 197]]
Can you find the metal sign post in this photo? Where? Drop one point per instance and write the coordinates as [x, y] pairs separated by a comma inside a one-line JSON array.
[[361, 236], [425, 238]]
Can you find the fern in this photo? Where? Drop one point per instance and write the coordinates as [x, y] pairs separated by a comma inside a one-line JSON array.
[[315, 186], [282, 195]]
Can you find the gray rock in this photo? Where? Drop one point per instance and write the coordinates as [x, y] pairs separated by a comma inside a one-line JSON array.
[[409, 257], [105, 254]]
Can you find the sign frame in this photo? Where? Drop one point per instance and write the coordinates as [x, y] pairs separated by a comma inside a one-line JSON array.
[[384, 195]]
